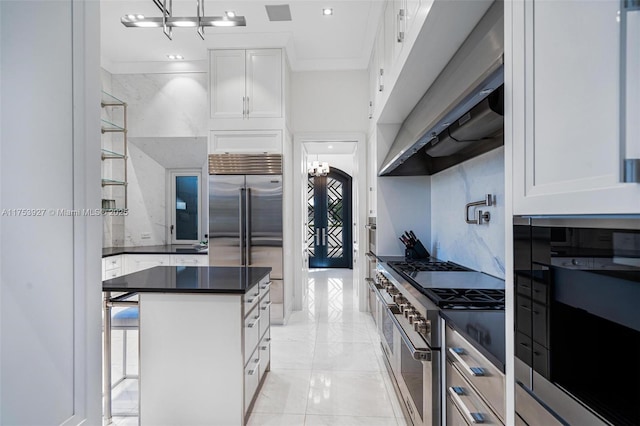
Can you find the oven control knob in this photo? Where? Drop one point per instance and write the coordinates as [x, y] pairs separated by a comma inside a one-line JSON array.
[[422, 326], [399, 299]]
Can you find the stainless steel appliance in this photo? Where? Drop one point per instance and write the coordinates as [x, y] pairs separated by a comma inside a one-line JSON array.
[[461, 114], [410, 296], [245, 216], [577, 287]]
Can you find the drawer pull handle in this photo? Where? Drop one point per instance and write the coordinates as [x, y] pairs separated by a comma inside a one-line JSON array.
[[266, 305], [253, 324], [250, 300], [474, 371], [456, 392], [264, 348], [256, 368], [265, 286]]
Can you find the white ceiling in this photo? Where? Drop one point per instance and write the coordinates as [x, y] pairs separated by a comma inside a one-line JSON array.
[[313, 41]]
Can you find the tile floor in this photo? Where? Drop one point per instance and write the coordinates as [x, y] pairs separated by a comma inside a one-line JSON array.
[[326, 365]]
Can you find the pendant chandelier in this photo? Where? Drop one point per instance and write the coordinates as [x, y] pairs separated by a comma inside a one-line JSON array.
[[167, 21], [318, 168]]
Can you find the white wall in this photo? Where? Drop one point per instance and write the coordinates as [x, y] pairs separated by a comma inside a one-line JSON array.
[[50, 357], [164, 105], [480, 247], [329, 101]]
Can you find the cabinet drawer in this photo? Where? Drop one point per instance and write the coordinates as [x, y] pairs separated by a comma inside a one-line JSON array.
[[487, 379], [467, 400], [139, 262], [251, 379], [531, 411], [112, 273], [189, 260], [250, 298], [112, 262], [264, 308], [265, 286], [265, 353], [251, 333]]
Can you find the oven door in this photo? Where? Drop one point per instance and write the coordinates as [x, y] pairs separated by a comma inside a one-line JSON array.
[[417, 375]]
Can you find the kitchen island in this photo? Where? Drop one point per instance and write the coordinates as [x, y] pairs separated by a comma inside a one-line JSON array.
[[204, 341]]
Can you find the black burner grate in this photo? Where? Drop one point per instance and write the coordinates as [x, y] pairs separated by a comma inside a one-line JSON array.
[[447, 298], [424, 265]]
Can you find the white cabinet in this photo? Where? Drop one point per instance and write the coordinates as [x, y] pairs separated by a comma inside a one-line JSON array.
[[372, 175], [246, 84], [138, 262], [568, 136], [112, 267], [188, 260], [245, 141]]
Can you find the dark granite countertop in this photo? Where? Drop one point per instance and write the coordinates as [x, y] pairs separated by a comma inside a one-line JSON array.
[[189, 279], [485, 331], [165, 249]]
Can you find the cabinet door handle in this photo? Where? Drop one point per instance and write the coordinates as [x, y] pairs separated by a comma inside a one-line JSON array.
[[252, 372], [474, 371], [247, 107], [400, 18], [473, 418]]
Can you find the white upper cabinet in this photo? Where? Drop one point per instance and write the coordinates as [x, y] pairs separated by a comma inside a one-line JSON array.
[[227, 74], [246, 84], [569, 141], [264, 83]]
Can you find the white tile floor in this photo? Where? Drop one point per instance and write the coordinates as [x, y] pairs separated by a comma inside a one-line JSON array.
[[326, 365]]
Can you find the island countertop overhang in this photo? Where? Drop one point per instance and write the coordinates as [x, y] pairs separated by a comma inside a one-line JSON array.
[[189, 279]]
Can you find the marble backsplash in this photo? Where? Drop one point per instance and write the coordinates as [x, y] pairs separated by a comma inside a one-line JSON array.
[[164, 105], [479, 247]]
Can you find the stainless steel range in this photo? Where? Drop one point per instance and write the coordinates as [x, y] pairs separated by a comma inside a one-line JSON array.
[[409, 298]]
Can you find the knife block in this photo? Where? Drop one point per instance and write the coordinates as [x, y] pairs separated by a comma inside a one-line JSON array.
[[416, 252]]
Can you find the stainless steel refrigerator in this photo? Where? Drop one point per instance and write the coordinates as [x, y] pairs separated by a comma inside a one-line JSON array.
[[245, 217]]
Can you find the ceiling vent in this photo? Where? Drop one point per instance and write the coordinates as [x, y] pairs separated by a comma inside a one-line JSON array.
[[280, 12]]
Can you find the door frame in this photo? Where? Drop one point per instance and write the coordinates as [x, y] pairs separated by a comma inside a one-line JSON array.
[[359, 211]]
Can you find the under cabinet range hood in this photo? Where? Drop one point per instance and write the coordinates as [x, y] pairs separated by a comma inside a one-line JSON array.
[[461, 114]]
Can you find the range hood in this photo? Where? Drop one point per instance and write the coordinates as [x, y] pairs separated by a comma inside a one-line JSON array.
[[461, 114]]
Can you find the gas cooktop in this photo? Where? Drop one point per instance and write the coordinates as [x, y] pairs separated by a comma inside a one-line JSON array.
[[452, 286]]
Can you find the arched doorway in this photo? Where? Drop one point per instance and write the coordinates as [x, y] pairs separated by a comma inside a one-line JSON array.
[[329, 241]]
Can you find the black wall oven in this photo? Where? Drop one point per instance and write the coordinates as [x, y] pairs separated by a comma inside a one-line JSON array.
[[577, 317]]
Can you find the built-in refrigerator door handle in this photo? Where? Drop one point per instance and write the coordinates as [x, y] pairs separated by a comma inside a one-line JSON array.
[[316, 236], [247, 226], [324, 236], [242, 216]]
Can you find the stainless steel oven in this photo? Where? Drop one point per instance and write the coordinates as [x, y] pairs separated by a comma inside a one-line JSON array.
[[577, 287], [413, 365]]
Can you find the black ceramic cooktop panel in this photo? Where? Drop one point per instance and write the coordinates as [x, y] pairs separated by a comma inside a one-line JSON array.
[[188, 279]]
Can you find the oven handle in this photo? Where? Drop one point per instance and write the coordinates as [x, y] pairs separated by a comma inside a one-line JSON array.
[[473, 418], [370, 256], [417, 353]]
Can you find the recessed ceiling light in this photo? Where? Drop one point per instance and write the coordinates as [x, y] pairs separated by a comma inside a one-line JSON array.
[[330, 147], [327, 11], [175, 57], [230, 14]]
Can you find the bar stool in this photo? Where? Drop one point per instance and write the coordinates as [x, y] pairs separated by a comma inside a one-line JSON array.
[[125, 320]]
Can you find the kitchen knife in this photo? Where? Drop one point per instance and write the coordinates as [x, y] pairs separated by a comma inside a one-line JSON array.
[[415, 239]]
